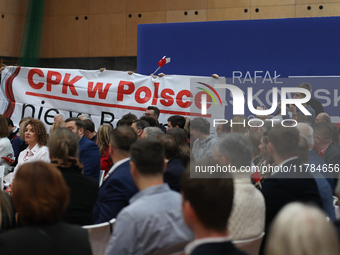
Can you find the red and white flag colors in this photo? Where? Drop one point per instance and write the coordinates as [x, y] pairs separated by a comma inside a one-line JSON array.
[[163, 61]]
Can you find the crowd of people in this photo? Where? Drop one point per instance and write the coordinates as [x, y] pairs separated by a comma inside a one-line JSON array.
[[140, 173]]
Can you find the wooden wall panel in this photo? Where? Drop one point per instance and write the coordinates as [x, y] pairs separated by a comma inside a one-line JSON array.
[[46, 38], [273, 12], [228, 14], [174, 5], [145, 6], [213, 4], [70, 7], [107, 35], [131, 32], [271, 2], [107, 6], [318, 10], [19, 7], [191, 16], [70, 37], [48, 9], [11, 28]]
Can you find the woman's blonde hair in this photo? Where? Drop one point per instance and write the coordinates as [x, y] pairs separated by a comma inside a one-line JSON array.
[[300, 229], [57, 124], [103, 138]]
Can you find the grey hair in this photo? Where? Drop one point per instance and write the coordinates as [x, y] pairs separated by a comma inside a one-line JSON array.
[[307, 132], [236, 148], [59, 115], [301, 229], [85, 116], [153, 131]]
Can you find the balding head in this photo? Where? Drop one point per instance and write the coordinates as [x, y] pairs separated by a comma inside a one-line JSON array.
[[323, 117]]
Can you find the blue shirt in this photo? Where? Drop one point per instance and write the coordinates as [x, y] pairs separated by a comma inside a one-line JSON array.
[[152, 223]]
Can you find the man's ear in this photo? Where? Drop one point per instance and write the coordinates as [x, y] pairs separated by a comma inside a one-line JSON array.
[[165, 164], [140, 132], [133, 169], [271, 148], [189, 213], [224, 160], [111, 150], [81, 130]]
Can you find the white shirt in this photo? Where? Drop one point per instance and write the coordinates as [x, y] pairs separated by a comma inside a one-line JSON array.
[[36, 154]]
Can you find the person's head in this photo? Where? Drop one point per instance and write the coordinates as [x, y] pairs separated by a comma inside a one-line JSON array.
[[89, 128], [33, 132], [202, 196], [85, 116], [121, 140], [59, 116], [263, 146], [323, 117], [40, 194], [222, 129], [307, 132], [179, 136], [176, 121], [139, 126], [152, 132], [322, 135], [152, 121], [241, 126], [4, 131], [63, 146], [76, 125], [169, 145], [199, 127], [302, 229], [255, 138], [147, 159], [57, 124], [283, 142], [127, 120], [103, 138], [256, 124], [11, 126], [306, 86], [152, 111]]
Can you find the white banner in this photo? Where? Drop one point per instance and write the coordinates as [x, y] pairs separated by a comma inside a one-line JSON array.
[[107, 96]]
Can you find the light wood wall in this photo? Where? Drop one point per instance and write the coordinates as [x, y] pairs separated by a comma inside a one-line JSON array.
[[108, 28]]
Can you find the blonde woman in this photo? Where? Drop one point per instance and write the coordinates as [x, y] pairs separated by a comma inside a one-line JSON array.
[[103, 141], [302, 229]]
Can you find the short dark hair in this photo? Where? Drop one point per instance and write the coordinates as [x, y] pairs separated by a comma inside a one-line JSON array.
[[40, 194], [306, 85], [141, 124], [4, 131], [148, 156], [10, 122], [324, 130], [201, 125], [177, 120], [127, 119], [207, 195], [169, 144], [122, 138], [89, 125], [285, 140], [79, 123], [155, 109], [152, 121]]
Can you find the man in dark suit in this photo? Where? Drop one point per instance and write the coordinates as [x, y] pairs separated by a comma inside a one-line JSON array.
[[326, 149], [88, 153], [290, 182], [206, 207], [118, 186]]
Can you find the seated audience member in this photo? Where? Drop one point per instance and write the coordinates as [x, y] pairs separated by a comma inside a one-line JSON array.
[[90, 132], [176, 121], [40, 196], [152, 122], [322, 117], [154, 112], [7, 219], [284, 187], [127, 120], [307, 132], [296, 111], [63, 146], [88, 151], [103, 142], [255, 124], [222, 129], [153, 222], [6, 150], [19, 144], [152, 132], [239, 124], [139, 126], [183, 150], [205, 143], [324, 188], [248, 212], [174, 168], [324, 146], [315, 104], [335, 134], [57, 124], [84, 116], [13, 130], [118, 186], [255, 138], [206, 206], [337, 222], [302, 229]]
